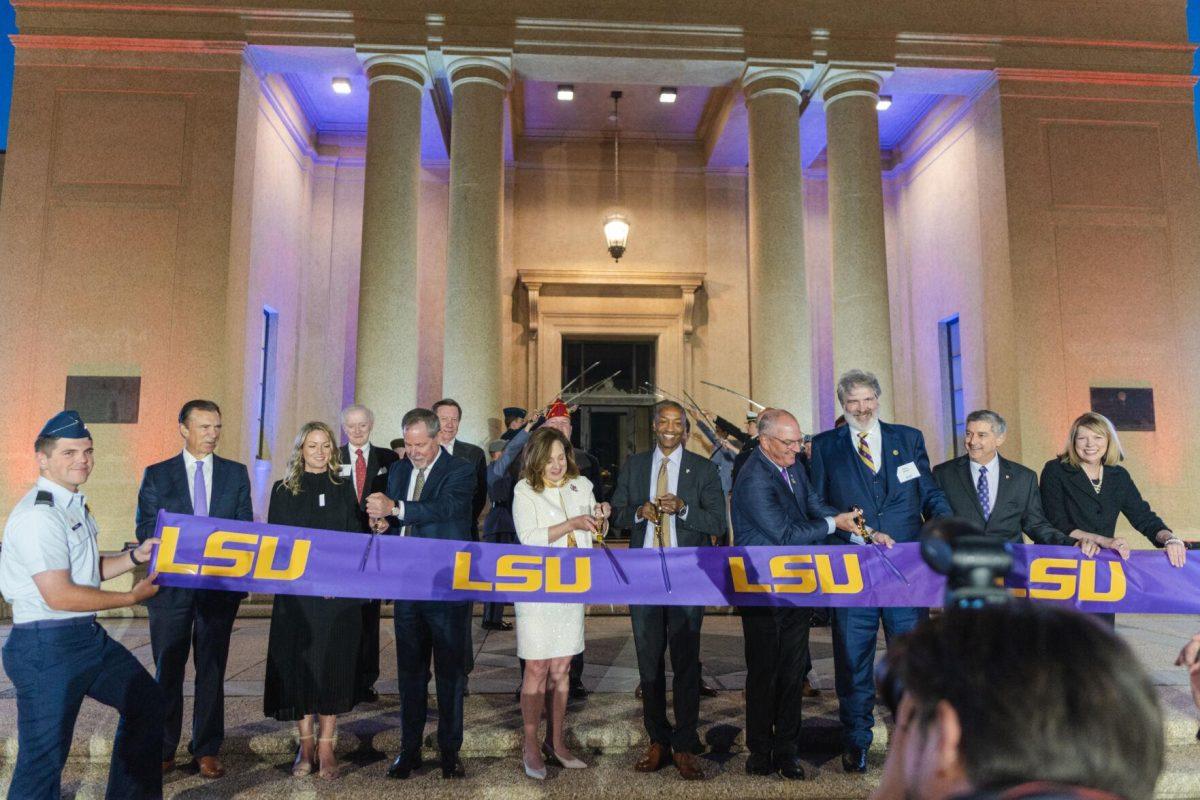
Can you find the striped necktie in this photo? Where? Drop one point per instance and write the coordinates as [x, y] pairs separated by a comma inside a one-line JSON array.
[[864, 451], [420, 484]]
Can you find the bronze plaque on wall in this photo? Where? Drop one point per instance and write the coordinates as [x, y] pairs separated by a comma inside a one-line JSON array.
[[1129, 409], [104, 399]]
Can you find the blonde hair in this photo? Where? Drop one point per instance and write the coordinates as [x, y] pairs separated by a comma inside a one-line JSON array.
[[295, 464], [1096, 423], [537, 456]]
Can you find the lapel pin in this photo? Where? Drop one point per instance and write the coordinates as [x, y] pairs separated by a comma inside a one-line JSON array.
[[686, 471], [895, 452]]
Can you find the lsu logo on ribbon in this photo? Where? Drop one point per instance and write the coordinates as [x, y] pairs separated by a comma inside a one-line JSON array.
[[792, 574], [524, 573], [229, 554], [1072, 579]]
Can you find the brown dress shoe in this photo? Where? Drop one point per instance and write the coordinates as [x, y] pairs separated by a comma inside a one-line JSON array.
[[689, 767], [210, 767], [655, 758], [808, 690], [168, 764]]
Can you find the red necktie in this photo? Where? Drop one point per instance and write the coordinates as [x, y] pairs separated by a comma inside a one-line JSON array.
[[360, 474]]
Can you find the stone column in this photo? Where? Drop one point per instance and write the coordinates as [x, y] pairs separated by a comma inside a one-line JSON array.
[[862, 332], [387, 343], [472, 369], [780, 342]]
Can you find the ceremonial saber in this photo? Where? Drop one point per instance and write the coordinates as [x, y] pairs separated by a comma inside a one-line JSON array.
[[736, 394], [576, 379], [591, 387], [662, 558]]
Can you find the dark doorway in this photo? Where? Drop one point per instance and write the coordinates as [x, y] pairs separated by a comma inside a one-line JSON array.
[[612, 420]]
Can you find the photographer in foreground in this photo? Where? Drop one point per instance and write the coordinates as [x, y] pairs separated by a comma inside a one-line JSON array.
[[1018, 702]]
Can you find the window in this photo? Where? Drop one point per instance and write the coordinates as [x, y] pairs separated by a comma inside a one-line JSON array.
[[952, 382], [266, 383]]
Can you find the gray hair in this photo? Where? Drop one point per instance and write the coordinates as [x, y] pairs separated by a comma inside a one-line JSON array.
[[999, 426], [770, 418], [350, 409], [419, 415], [855, 378]]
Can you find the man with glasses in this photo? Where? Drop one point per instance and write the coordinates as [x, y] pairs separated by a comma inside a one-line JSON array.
[[775, 505], [882, 469]]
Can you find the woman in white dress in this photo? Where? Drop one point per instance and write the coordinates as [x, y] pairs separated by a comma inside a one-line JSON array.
[[553, 506]]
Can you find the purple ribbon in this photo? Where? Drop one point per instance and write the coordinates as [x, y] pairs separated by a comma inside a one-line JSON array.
[[253, 557]]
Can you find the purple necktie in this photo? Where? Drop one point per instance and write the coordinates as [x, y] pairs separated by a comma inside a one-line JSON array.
[[199, 493]]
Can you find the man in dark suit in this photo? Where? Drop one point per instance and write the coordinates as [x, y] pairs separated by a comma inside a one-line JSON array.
[[199, 482], [684, 491], [367, 466], [882, 469], [449, 414], [1000, 496], [428, 494], [775, 505]]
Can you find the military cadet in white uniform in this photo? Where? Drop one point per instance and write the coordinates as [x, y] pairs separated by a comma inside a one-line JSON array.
[[56, 654]]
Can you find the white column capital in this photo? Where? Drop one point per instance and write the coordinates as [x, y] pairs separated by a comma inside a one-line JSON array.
[[409, 65], [769, 76], [852, 81], [489, 66]]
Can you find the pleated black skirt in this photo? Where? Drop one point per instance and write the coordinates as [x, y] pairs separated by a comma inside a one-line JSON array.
[[312, 656]]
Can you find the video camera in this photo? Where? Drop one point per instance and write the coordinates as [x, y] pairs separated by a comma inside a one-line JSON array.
[[973, 564]]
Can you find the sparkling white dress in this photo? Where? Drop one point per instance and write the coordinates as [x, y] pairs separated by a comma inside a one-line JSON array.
[[550, 630]]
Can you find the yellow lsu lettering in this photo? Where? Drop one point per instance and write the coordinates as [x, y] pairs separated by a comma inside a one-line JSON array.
[[524, 573], [1070, 578], [243, 554], [791, 575]]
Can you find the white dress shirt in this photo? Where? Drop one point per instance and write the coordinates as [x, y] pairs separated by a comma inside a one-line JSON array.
[[190, 463], [673, 466], [412, 483], [993, 480], [874, 443]]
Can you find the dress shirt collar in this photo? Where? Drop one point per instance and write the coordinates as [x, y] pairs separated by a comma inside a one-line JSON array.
[[428, 468], [676, 456], [63, 497], [189, 460], [993, 466], [353, 450], [871, 432]]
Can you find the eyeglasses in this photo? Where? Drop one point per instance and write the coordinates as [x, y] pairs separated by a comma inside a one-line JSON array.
[[788, 443]]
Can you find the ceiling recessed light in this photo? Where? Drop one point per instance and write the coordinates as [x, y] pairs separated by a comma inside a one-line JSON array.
[[883, 103], [341, 86], [667, 94], [566, 91]]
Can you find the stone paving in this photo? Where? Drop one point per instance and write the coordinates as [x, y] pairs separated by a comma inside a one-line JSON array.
[[606, 726]]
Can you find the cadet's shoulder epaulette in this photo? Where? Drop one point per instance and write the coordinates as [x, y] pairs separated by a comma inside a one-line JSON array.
[[43, 498]]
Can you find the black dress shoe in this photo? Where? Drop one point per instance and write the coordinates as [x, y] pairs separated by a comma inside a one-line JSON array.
[[404, 765], [577, 690], [790, 768], [368, 695], [758, 764], [854, 759], [452, 767], [706, 690], [497, 626]]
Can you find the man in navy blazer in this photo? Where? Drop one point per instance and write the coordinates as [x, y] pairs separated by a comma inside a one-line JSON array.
[[197, 481], [429, 494], [774, 505], [882, 469]]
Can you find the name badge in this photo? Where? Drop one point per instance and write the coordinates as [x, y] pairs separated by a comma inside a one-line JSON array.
[[906, 472], [321, 500], [346, 470]]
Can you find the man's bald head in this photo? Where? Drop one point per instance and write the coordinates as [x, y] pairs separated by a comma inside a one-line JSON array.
[[779, 436]]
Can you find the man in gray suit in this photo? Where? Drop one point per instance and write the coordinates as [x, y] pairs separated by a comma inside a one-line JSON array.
[[998, 495], [671, 498]]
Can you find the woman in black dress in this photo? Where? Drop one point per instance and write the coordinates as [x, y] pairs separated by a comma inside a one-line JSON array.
[[1085, 489], [312, 650]]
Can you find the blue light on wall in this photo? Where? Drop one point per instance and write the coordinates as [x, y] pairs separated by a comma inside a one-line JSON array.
[[8, 26], [1193, 23]]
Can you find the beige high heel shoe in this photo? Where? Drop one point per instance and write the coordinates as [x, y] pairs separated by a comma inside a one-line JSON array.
[[333, 772], [302, 767]]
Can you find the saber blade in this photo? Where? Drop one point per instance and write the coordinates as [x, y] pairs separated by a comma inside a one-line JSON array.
[[735, 394]]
